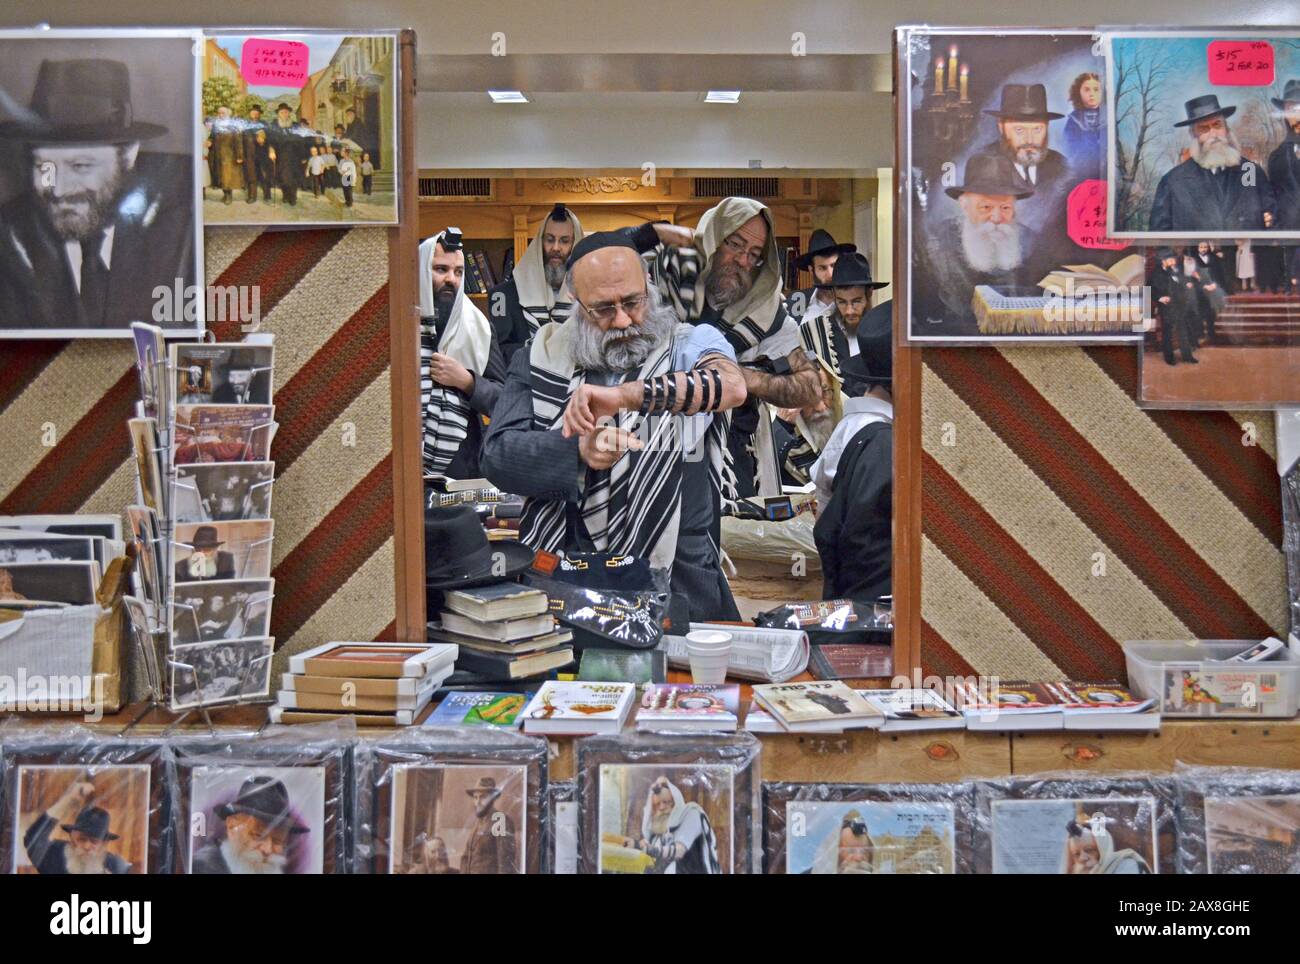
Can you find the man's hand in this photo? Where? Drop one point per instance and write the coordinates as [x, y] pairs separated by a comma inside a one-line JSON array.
[[73, 801], [445, 370], [589, 403], [602, 448], [1268, 219], [1164, 300], [674, 235], [1211, 286]]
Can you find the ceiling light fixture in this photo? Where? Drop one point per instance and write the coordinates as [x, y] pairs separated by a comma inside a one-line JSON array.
[[507, 97], [722, 97]]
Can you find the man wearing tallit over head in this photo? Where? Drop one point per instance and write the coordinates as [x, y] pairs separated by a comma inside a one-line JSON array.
[[611, 425], [461, 368], [727, 274], [533, 294]]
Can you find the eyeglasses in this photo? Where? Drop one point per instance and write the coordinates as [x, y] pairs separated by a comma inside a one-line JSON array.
[[739, 250], [609, 310]]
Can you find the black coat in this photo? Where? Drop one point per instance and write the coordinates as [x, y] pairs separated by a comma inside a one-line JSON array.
[[854, 533], [1284, 175], [1173, 284], [153, 246], [209, 859], [291, 146], [1190, 198]]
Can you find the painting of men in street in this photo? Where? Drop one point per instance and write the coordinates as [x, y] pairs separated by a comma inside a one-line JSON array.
[[299, 129]]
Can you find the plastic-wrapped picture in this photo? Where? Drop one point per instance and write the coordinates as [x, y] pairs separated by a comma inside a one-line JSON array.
[[452, 801], [299, 128], [98, 183], [1203, 129], [1002, 198], [1076, 824], [656, 805], [275, 803], [1235, 820], [85, 806], [840, 828], [564, 828]]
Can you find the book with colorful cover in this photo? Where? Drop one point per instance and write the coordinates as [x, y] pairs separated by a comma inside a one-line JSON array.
[[1104, 706], [693, 707], [479, 709], [577, 707], [797, 706]]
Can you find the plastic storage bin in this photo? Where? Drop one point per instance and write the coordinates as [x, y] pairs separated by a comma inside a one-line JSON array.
[[1191, 678]]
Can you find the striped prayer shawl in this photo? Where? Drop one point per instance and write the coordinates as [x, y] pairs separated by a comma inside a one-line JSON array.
[[633, 508], [537, 299], [446, 411], [817, 336]]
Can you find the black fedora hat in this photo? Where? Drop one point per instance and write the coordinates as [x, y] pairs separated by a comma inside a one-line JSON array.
[[991, 174], [267, 799], [1290, 95], [1202, 108], [81, 102], [1165, 252], [821, 244], [457, 553], [874, 361], [1024, 102], [205, 537], [91, 822], [485, 785], [854, 272]]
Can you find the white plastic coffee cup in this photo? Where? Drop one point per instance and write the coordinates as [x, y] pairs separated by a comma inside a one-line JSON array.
[[709, 651]]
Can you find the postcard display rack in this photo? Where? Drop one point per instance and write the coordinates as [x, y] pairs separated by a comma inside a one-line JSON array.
[[203, 640]]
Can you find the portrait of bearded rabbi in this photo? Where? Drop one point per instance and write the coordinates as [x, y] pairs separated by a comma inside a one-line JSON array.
[[98, 222], [1216, 188], [611, 425]]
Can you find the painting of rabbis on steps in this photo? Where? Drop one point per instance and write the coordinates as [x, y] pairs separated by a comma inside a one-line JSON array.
[[300, 129]]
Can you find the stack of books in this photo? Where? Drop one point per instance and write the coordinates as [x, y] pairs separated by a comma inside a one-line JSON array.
[[505, 632], [498, 511], [378, 684], [1058, 705], [827, 706]]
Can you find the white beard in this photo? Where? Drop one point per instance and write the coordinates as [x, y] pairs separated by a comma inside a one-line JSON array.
[[990, 247], [241, 864], [79, 863], [202, 566], [1226, 153]]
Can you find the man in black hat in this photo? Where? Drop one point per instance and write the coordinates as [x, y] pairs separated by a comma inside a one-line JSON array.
[[89, 834], [1173, 294], [802, 433], [533, 295], [259, 830], [259, 172], [101, 224], [855, 473], [1284, 176], [610, 425], [226, 153], [206, 559], [241, 381], [1217, 188], [1023, 120], [493, 845], [289, 144], [984, 244], [821, 257]]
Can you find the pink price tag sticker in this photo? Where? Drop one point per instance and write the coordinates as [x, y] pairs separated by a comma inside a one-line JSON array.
[[1086, 221], [1241, 63], [273, 63]]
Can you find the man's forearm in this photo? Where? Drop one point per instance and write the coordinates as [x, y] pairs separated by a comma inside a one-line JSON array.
[[716, 385], [801, 388]]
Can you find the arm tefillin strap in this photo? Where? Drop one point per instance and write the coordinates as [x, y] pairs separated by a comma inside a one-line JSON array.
[[690, 391], [670, 384], [717, 388], [704, 393]]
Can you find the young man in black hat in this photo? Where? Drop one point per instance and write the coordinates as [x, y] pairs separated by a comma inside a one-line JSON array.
[[258, 170], [1174, 294], [821, 257], [97, 223], [533, 295], [855, 473], [1217, 188], [289, 148], [86, 849]]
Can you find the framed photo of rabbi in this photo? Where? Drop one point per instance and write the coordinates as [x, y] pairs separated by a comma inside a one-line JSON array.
[[1204, 135], [98, 182], [1001, 164]]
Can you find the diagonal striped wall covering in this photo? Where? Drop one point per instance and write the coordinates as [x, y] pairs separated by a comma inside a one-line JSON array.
[[1053, 471], [324, 294]]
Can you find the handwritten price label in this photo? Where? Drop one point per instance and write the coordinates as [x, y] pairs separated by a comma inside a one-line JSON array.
[[1086, 221], [273, 63], [1241, 63]]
